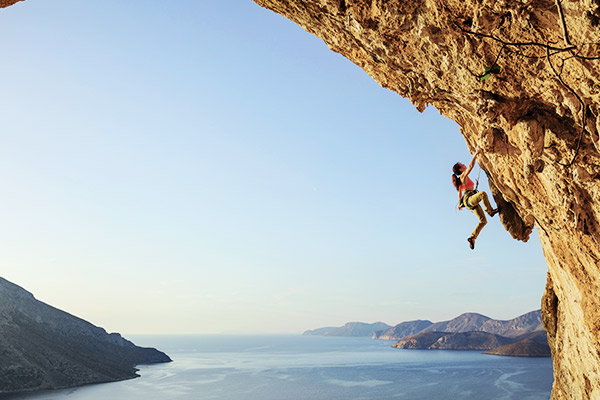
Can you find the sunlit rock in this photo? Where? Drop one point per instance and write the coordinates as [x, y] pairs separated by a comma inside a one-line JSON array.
[[524, 85]]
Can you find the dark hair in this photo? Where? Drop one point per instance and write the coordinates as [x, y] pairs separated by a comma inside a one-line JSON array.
[[456, 175]]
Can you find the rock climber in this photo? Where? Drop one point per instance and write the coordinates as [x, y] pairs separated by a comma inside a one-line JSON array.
[[469, 197]]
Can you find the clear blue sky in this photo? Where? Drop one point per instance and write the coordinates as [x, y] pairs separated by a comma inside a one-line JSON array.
[[208, 167]]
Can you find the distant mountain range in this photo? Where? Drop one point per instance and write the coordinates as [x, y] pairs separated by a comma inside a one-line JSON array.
[[521, 336], [46, 348], [402, 330], [468, 322], [350, 329]]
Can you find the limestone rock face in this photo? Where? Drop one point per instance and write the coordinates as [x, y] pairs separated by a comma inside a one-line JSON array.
[[6, 3], [522, 80]]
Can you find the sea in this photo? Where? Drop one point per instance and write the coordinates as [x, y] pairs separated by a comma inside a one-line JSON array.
[[296, 367]]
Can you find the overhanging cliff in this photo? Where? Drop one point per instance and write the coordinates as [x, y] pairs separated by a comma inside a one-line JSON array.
[[521, 78], [6, 3]]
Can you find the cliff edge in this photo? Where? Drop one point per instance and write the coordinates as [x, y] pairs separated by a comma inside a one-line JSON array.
[[46, 348], [6, 3], [522, 81]]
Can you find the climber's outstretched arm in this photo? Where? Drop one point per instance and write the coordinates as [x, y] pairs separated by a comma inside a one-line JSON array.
[[467, 171]]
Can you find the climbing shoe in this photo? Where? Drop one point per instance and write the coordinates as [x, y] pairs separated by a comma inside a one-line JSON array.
[[471, 242], [494, 212]]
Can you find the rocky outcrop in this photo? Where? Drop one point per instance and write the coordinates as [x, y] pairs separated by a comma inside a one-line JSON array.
[[354, 329], [533, 344], [45, 348], [521, 79], [420, 341], [6, 3], [530, 345], [453, 341]]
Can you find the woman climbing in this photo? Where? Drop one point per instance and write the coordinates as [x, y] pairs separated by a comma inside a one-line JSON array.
[[470, 198]]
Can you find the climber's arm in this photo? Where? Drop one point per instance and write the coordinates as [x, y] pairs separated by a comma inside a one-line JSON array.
[[467, 171]]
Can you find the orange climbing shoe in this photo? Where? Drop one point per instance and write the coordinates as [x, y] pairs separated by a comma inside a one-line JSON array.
[[494, 212]]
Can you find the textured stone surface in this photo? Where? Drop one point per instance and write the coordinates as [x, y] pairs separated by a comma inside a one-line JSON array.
[[537, 121], [6, 3]]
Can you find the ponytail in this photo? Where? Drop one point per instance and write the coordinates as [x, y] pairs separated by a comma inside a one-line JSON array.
[[456, 181], [456, 176]]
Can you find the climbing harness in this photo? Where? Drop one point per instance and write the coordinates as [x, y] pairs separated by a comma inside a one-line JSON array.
[[463, 202]]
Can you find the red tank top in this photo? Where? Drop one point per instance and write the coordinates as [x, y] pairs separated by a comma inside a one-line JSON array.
[[468, 185]]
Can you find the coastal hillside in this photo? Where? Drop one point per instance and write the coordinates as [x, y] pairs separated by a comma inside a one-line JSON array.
[[515, 327], [453, 341], [350, 329], [46, 348], [467, 322], [402, 330], [534, 344], [463, 323]]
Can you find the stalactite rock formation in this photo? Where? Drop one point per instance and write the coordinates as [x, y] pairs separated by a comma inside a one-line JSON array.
[[522, 80]]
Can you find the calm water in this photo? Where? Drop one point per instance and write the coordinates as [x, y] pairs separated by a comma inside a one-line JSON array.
[[318, 368]]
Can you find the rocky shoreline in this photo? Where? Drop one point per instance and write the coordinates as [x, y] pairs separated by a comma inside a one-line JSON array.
[[494, 344], [45, 348], [522, 336]]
